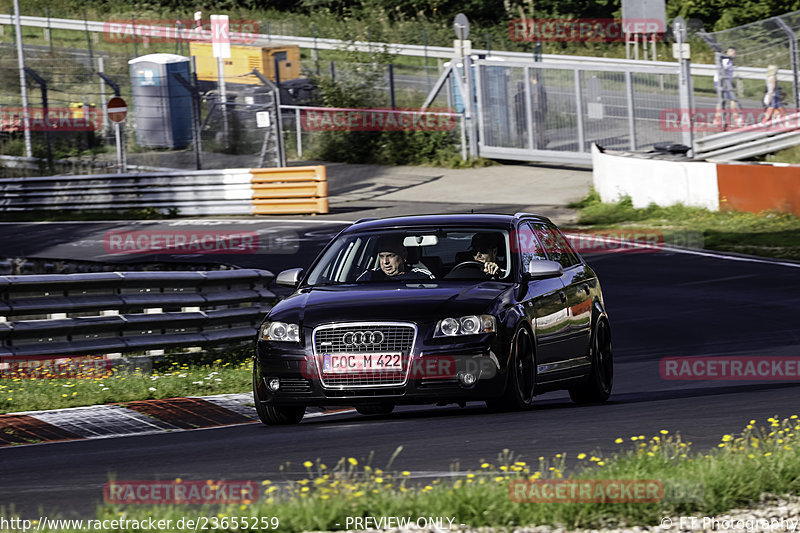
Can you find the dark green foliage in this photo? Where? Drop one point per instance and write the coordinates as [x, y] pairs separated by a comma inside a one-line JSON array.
[[724, 14], [484, 14]]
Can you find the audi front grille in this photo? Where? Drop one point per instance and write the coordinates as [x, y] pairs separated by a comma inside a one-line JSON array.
[[370, 339]]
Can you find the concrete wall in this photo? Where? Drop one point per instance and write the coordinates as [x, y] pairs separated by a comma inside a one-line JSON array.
[[656, 181]]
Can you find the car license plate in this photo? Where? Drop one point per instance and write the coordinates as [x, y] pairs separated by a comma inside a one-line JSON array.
[[356, 363]]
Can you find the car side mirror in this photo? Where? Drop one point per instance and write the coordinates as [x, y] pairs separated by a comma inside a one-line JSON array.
[[540, 269], [289, 278]]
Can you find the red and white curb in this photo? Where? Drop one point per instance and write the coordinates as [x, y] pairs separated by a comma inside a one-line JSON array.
[[132, 418]]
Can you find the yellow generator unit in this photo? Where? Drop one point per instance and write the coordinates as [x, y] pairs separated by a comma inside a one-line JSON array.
[[246, 58], [76, 109]]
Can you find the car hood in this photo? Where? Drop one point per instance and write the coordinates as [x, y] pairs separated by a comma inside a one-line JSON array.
[[415, 302]]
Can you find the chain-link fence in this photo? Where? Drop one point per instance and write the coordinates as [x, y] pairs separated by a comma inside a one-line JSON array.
[[755, 46], [70, 62], [526, 109], [550, 111]]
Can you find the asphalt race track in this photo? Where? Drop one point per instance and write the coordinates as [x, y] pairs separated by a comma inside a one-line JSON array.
[[661, 304]]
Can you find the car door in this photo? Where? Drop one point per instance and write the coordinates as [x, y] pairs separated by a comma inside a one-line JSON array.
[[577, 287], [545, 303]]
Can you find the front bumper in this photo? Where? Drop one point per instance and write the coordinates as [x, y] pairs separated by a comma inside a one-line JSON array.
[[434, 375]]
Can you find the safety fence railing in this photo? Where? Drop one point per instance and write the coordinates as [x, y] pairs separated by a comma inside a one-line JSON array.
[[116, 312], [401, 49], [752, 140], [619, 103], [540, 111], [206, 192]]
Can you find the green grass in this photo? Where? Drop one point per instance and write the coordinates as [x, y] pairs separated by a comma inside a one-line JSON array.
[[768, 234], [787, 155], [759, 461], [174, 376]]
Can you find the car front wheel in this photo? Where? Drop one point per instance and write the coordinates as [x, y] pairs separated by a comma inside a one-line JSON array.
[[521, 375]]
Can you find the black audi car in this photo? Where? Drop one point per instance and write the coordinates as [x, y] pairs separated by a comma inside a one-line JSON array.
[[435, 309]]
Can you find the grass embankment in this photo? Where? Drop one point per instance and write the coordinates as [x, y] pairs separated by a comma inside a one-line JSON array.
[[81, 383], [787, 155], [761, 460], [767, 234]]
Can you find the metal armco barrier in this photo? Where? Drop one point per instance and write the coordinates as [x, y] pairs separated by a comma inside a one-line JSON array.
[[290, 190], [742, 143], [88, 314]]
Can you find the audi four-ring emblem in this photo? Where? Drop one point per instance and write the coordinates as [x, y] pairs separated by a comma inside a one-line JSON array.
[[362, 338]]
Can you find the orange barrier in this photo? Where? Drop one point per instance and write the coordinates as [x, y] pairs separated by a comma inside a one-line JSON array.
[[289, 190], [755, 188]]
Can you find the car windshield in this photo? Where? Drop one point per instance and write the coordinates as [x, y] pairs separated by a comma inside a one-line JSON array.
[[415, 255]]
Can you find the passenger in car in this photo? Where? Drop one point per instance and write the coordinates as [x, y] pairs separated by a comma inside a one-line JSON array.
[[392, 255]]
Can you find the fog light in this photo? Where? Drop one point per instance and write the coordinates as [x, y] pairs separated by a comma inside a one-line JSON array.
[[466, 378], [274, 384]]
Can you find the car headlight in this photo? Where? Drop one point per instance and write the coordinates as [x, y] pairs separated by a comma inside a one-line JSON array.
[[279, 331], [465, 325]]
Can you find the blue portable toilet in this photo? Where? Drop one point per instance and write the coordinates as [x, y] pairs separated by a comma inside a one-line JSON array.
[[161, 105]]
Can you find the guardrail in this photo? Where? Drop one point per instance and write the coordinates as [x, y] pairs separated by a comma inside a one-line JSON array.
[[442, 52], [753, 140], [205, 192], [101, 313], [289, 190]]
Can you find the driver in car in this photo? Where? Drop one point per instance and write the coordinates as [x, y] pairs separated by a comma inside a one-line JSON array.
[[484, 249], [392, 255]]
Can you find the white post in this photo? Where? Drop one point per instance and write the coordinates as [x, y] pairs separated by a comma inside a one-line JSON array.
[[299, 133], [26, 123], [119, 148], [104, 116], [223, 98]]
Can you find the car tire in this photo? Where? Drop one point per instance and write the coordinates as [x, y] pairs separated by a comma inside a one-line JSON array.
[[383, 408], [274, 415], [521, 381], [598, 386]]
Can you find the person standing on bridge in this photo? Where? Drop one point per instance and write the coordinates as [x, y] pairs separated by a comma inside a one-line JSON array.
[[773, 97], [723, 80]]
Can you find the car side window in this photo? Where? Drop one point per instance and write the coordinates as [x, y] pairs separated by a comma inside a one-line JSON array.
[[557, 247], [528, 246]]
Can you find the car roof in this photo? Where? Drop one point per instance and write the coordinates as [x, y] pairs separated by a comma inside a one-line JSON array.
[[479, 219]]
